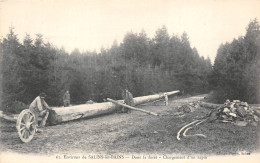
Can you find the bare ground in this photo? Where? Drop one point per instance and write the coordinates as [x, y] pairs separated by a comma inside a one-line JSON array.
[[136, 132]]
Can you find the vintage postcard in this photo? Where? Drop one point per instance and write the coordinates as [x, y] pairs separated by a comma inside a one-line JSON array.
[[129, 81]]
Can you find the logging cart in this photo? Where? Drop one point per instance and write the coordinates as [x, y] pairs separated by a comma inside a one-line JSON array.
[[27, 124]]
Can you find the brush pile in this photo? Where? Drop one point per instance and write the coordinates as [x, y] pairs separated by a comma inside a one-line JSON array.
[[236, 112], [190, 107]]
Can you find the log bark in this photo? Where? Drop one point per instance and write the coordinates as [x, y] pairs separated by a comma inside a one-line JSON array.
[[64, 114], [145, 99], [131, 107]]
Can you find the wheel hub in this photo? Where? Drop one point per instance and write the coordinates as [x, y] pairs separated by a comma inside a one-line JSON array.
[[28, 125]]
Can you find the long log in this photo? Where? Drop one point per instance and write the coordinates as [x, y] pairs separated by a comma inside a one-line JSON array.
[[145, 99], [131, 107], [63, 114]]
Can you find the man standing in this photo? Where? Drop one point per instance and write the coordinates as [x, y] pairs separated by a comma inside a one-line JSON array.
[[40, 109], [66, 99], [128, 100]]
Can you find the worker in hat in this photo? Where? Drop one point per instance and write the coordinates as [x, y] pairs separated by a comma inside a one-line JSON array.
[[40, 109], [66, 99], [128, 100]]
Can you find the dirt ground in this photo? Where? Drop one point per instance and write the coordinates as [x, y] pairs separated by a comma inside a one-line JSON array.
[[136, 132]]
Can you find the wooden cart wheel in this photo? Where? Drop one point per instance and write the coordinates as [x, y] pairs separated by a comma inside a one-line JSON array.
[[26, 125]]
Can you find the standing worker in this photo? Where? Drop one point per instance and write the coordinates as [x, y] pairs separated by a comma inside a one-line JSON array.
[[128, 100], [40, 109], [66, 99], [166, 99]]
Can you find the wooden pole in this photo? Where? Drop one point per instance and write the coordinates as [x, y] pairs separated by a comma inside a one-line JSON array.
[[131, 107]]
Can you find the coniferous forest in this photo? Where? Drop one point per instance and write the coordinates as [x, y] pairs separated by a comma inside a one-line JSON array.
[[236, 73], [141, 64]]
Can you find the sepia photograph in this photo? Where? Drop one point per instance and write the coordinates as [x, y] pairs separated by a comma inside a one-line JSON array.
[[129, 81]]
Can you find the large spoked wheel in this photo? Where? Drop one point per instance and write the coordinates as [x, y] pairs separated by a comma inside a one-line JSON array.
[[26, 125]]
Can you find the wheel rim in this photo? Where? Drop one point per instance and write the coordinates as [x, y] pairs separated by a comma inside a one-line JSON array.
[[26, 125]]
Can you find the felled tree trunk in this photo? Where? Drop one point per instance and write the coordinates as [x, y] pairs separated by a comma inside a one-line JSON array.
[[150, 98], [63, 114]]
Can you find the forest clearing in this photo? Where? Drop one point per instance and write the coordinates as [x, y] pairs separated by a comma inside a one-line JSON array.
[[138, 133], [125, 80]]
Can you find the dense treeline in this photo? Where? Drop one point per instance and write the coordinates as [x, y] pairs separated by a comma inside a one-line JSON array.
[[141, 64], [237, 67]]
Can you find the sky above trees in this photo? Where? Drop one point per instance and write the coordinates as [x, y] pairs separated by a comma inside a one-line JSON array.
[[90, 25]]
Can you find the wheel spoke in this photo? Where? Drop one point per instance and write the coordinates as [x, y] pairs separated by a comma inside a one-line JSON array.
[[23, 133], [31, 118], [31, 123], [23, 119], [21, 129], [30, 133], [23, 124], [27, 134]]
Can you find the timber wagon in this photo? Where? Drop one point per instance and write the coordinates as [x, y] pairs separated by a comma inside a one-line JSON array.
[[26, 122]]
